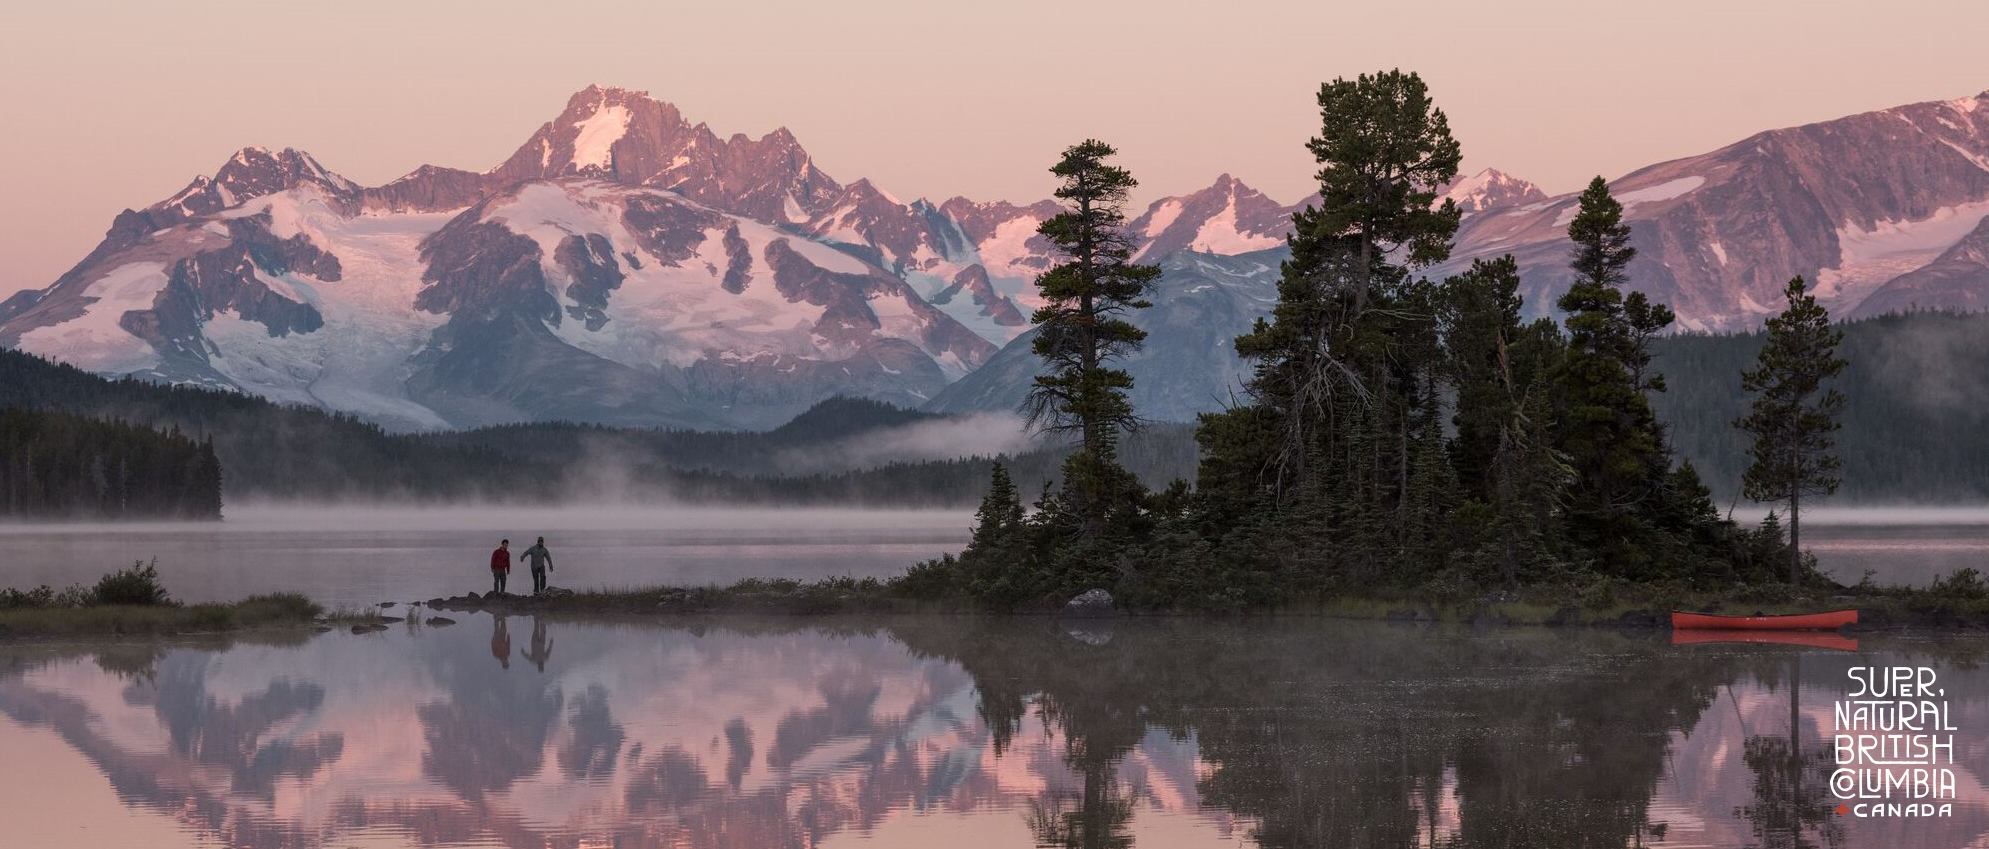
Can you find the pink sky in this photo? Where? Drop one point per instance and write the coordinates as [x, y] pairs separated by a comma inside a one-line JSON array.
[[115, 105]]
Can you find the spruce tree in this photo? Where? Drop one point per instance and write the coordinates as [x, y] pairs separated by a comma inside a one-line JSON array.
[[1498, 367], [1607, 428], [1793, 417], [1082, 328]]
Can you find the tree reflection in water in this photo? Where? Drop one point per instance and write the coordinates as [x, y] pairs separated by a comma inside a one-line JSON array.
[[1303, 733], [1324, 743]]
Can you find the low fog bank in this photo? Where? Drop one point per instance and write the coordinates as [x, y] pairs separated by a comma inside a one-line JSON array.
[[1898, 515], [979, 435], [509, 518]]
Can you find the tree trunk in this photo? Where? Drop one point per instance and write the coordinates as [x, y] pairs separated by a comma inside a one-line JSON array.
[[1795, 536]]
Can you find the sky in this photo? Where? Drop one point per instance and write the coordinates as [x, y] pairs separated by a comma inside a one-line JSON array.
[[111, 105]]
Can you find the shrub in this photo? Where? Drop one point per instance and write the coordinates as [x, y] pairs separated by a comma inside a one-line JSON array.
[[930, 579], [137, 586], [1961, 583]]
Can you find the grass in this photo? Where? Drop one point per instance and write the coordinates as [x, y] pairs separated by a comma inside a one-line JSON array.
[[134, 602], [1958, 604], [276, 610]]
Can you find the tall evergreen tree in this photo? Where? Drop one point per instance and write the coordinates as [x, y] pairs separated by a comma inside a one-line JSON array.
[[1793, 417], [1607, 427], [1503, 449], [1083, 328], [1385, 152]]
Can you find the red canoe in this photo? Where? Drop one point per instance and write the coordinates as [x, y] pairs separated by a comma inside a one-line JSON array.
[[1797, 622]]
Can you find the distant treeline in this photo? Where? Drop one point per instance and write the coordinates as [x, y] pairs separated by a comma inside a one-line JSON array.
[[266, 450], [60, 464], [274, 451], [1916, 428]]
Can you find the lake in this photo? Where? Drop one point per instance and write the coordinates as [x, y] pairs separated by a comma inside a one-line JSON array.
[[959, 732], [357, 557]]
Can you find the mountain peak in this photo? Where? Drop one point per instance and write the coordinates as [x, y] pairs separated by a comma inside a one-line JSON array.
[[250, 173], [1227, 217], [1490, 189]]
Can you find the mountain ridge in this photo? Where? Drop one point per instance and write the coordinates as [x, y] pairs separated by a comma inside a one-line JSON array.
[[627, 266]]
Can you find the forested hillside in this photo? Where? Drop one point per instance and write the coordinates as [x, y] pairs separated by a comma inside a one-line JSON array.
[[1916, 430], [271, 451], [1916, 425], [61, 465]]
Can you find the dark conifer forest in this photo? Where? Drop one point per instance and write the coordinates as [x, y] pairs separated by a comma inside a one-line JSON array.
[[60, 464]]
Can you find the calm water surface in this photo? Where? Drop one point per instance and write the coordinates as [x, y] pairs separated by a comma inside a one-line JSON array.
[[954, 733], [358, 557]]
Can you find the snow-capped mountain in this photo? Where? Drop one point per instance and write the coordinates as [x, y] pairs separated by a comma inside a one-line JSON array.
[[1188, 365], [627, 266], [1226, 218], [1852, 204], [617, 269], [1490, 189]]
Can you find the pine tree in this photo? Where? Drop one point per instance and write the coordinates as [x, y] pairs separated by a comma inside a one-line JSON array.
[[1608, 430], [1793, 417], [1385, 152], [1082, 327]]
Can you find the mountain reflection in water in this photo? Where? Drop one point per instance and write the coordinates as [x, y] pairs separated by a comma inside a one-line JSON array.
[[969, 732]]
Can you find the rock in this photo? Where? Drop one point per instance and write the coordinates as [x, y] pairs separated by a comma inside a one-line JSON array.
[[435, 601], [391, 619], [472, 597], [386, 604], [368, 629], [1091, 636], [1091, 602], [439, 621], [322, 628], [555, 592]]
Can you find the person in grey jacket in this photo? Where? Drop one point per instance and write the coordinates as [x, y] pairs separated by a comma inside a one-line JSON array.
[[541, 562]]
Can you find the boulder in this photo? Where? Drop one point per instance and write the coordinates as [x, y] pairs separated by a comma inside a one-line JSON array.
[[439, 621], [1091, 602]]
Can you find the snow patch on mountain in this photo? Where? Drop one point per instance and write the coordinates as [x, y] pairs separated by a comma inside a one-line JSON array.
[[592, 147], [1662, 191], [94, 340], [1221, 235], [1162, 218], [1868, 259], [358, 361]]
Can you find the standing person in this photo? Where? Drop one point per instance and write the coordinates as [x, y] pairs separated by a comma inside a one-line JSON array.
[[541, 562], [500, 566]]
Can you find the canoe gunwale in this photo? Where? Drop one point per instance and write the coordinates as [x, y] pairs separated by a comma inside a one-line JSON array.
[[1825, 621]]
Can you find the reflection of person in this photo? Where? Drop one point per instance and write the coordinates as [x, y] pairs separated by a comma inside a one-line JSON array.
[[540, 650], [500, 566], [500, 641], [541, 562]]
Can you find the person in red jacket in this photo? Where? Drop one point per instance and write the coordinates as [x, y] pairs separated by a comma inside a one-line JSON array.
[[500, 565]]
